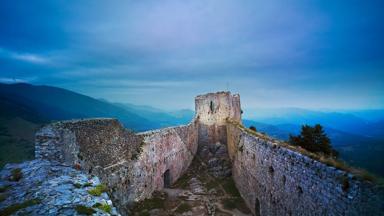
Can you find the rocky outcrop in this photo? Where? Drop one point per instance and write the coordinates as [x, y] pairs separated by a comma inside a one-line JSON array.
[[42, 187], [132, 165]]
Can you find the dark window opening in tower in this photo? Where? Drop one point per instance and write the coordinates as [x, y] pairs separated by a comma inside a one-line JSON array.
[[211, 106], [167, 179]]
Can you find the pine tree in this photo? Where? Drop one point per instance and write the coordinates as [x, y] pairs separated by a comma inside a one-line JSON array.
[[314, 139]]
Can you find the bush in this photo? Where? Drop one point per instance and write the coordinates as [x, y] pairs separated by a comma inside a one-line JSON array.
[[104, 207], [16, 174], [98, 190], [252, 128], [16, 207], [183, 207], [77, 185], [4, 188], [314, 140], [2, 197], [84, 210]]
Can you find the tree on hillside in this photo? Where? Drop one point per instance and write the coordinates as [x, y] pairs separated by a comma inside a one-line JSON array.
[[252, 128], [313, 139]]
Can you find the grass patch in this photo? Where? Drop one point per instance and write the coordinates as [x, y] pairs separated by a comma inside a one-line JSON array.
[[98, 190], [144, 213], [229, 203], [84, 210], [104, 207], [230, 187], [78, 185], [3, 197], [88, 184], [182, 182], [16, 207], [237, 202], [156, 202], [138, 151], [16, 174], [4, 188], [183, 207], [211, 184]]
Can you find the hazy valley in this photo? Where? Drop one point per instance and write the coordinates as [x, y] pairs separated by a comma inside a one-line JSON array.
[[358, 135]]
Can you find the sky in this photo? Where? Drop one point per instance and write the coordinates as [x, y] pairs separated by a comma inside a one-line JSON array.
[[309, 54]]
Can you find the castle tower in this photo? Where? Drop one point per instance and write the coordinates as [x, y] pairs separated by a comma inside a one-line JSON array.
[[212, 111]]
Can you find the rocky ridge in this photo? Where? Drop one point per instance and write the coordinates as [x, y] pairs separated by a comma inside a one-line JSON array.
[[41, 187]]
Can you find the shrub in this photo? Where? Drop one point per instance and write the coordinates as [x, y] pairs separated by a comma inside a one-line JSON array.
[[230, 187], [252, 128], [144, 213], [229, 203], [16, 174], [77, 185], [183, 207], [156, 202], [232, 203], [16, 207], [182, 182], [241, 149], [84, 210], [345, 184], [98, 190], [2, 197], [88, 184], [4, 188], [104, 207]]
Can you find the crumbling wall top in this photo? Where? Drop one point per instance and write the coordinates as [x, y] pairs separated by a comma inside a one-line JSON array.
[[216, 108]]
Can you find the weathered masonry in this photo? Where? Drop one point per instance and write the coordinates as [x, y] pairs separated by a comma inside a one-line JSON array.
[[131, 165], [272, 179]]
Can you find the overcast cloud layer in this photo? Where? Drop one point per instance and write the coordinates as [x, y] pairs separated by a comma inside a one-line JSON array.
[[310, 54]]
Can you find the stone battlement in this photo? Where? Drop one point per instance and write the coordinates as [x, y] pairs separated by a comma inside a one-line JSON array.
[[273, 180]]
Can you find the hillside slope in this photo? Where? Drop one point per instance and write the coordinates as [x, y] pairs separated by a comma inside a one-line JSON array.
[[18, 124], [59, 104]]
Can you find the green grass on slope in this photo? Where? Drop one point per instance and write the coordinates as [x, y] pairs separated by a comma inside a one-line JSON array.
[[16, 140]]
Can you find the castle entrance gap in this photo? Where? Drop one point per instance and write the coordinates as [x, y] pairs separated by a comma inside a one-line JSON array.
[[257, 207], [167, 179]]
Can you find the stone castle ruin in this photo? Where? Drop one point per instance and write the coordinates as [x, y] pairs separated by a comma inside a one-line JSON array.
[[271, 178]]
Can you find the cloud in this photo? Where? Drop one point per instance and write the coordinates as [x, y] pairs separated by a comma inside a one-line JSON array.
[[24, 56], [13, 80], [273, 53], [31, 58]]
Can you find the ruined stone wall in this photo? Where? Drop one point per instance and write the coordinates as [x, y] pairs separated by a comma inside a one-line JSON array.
[[274, 180], [132, 165], [170, 149], [212, 112], [91, 143]]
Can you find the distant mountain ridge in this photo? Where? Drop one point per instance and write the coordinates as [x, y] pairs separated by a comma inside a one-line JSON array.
[[163, 118], [369, 123], [24, 108], [59, 104]]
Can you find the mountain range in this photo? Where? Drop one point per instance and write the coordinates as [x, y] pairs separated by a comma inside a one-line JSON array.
[[24, 108], [357, 134]]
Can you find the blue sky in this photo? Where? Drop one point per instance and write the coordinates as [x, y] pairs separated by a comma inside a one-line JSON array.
[[309, 54]]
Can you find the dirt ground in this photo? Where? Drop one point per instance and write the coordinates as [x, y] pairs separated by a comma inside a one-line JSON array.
[[196, 193]]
